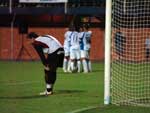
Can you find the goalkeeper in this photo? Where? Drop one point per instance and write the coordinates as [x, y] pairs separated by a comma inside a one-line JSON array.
[[51, 54]]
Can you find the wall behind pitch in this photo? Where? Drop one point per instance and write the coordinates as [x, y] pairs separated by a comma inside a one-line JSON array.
[[15, 46], [134, 46]]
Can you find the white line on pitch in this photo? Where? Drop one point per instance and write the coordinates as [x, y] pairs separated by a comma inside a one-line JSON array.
[[83, 109]]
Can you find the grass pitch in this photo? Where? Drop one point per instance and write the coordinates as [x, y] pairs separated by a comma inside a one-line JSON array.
[[21, 82]]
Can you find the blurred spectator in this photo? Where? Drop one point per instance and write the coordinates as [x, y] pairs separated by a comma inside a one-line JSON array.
[[120, 43], [147, 46]]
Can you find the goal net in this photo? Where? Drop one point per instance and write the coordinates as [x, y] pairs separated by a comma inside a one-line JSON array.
[[130, 52]]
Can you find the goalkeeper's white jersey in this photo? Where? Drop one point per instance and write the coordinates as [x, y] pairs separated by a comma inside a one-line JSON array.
[[52, 43]]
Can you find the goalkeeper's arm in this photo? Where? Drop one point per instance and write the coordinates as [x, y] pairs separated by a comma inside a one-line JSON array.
[[39, 50]]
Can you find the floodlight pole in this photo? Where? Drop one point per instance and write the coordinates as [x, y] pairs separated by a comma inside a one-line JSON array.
[[11, 29], [10, 6], [65, 7], [107, 51], [12, 36]]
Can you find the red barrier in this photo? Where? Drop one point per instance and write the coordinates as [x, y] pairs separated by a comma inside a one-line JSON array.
[[16, 47]]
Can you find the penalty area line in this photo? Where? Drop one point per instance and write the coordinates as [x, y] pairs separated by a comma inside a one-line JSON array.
[[83, 109]]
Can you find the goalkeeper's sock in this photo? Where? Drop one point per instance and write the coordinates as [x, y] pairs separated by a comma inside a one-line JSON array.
[[49, 87]]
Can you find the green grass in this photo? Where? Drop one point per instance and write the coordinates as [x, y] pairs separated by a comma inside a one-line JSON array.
[[132, 81], [21, 82]]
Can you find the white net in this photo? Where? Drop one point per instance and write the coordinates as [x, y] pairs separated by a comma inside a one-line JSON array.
[[130, 53]]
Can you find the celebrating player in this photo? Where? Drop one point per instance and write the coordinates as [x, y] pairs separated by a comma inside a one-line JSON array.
[[66, 64], [75, 50], [88, 35], [84, 53]]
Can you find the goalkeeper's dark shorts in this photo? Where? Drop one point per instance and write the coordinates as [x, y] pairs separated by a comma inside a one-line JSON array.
[[56, 58]]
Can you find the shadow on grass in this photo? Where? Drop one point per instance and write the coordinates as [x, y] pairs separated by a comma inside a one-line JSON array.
[[57, 92], [22, 97], [93, 71], [98, 70], [68, 91]]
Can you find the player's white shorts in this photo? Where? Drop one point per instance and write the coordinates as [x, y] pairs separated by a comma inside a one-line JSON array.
[[84, 54], [75, 54], [67, 53]]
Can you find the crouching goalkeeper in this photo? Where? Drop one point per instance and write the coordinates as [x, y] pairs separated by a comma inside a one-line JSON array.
[[51, 54]]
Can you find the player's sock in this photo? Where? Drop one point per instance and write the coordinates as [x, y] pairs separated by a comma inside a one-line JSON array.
[[89, 66], [65, 65], [85, 67], [51, 78], [79, 66], [72, 66], [69, 66]]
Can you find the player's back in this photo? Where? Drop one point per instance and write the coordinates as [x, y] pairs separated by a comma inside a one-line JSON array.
[[67, 40], [67, 34], [50, 41], [82, 39], [74, 40], [88, 36]]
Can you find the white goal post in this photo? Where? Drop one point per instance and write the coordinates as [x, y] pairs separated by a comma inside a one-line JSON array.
[[127, 52], [107, 52]]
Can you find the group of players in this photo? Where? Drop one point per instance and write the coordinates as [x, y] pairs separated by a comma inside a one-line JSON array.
[[51, 52], [77, 46]]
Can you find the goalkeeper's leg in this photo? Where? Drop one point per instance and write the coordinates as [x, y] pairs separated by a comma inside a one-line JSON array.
[[50, 78]]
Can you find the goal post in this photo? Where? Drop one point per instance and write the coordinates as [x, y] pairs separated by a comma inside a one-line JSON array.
[[107, 52], [127, 52]]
